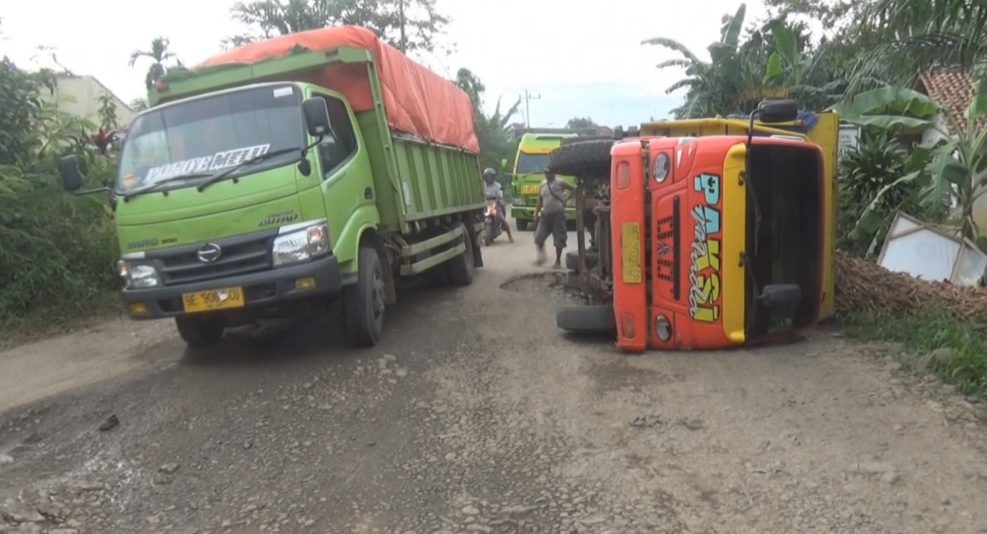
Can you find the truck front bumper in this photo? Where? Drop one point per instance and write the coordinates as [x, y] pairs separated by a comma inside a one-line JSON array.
[[264, 288]]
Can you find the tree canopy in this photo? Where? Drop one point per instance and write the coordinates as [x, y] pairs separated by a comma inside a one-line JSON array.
[[580, 122], [406, 24]]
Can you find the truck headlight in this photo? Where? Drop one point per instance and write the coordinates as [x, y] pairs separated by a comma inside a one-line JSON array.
[[138, 275], [293, 246]]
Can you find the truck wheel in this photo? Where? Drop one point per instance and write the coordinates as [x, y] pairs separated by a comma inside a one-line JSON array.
[[572, 260], [200, 332], [460, 268], [589, 320], [521, 224], [364, 302], [586, 160]]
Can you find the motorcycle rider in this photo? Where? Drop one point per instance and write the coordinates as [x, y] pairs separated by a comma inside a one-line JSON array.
[[494, 191]]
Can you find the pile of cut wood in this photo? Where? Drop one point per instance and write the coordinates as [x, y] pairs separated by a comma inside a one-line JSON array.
[[863, 286]]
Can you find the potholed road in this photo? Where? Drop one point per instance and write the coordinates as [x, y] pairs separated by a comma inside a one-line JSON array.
[[475, 414]]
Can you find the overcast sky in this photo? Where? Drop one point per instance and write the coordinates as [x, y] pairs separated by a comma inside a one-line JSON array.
[[576, 57]]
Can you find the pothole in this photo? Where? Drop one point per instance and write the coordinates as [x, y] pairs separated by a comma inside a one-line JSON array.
[[554, 284]]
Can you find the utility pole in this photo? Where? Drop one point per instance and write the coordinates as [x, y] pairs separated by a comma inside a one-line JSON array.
[[404, 42], [527, 107]]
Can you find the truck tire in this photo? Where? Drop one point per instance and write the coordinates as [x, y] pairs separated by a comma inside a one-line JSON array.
[[200, 331], [572, 260], [364, 302], [586, 160], [587, 320], [460, 268], [521, 224]]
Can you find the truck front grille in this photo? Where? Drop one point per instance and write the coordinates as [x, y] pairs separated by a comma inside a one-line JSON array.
[[238, 255]]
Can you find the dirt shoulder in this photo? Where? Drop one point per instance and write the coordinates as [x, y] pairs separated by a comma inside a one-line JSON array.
[[102, 351]]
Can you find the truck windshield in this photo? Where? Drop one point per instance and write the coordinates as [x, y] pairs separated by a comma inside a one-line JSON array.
[[529, 163], [787, 186], [206, 135]]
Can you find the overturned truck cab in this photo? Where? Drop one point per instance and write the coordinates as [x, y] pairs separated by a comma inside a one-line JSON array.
[[710, 241]]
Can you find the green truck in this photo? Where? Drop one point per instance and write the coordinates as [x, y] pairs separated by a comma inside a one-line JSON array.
[[529, 173], [295, 171]]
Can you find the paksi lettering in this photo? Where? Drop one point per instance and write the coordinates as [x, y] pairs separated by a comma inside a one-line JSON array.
[[704, 269]]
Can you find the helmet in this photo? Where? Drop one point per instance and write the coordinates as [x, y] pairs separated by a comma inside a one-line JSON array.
[[489, 172]]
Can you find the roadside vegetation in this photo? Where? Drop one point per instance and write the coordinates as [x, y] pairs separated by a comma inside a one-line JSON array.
[[56, 252], [933, 341]]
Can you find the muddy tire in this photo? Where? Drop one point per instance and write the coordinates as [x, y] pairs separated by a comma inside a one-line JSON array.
[[572, 260], [460, 268], [587, 320], [201, 331], [586, 160], [364, 302]]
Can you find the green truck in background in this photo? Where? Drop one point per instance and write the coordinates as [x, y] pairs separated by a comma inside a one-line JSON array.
[[301, 169], [529, 173]]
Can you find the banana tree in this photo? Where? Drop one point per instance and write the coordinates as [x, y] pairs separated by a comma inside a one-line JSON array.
[[952, 170], [801, 71], [714, 87]]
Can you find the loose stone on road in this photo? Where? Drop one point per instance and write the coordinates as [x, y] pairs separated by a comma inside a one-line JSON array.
[[475, 414]]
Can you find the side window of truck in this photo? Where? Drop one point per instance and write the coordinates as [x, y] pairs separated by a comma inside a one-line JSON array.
[[339, 146]]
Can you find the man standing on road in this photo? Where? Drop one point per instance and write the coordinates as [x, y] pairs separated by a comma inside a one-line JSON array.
[[551, 200]]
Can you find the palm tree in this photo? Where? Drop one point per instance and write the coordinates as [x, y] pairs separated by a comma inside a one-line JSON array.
[[714, 87], [918, 34], [158, 54]]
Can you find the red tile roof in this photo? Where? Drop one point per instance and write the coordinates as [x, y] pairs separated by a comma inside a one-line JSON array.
[[953, 89]]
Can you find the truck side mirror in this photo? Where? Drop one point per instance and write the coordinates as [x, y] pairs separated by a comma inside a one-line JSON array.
[[504, 165], [316, 117], [68, 167], [771, 111], [780, 296]]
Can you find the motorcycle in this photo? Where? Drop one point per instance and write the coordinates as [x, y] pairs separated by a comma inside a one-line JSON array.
[[492, 225]]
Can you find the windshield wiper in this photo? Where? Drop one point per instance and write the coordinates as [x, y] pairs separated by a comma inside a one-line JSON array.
[[256, 159], [749, 269], [155, 185], [757, 211]]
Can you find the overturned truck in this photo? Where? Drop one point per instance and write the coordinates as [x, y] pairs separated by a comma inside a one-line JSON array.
[[707, 233]]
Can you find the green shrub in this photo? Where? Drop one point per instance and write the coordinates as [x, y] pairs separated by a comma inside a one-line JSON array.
[[56, 251], [877, 162]]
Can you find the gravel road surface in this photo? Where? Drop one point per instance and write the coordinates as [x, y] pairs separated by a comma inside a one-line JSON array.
[[475, 414]]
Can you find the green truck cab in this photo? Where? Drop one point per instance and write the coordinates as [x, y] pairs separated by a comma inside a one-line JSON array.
[[529, 173], [247, 189]]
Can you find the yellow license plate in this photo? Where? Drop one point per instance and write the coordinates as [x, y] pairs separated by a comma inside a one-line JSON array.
[[214, 299], [530, 189], [630, 252]]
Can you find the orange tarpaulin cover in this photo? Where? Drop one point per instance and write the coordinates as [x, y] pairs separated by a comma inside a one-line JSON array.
[[417, 101]]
